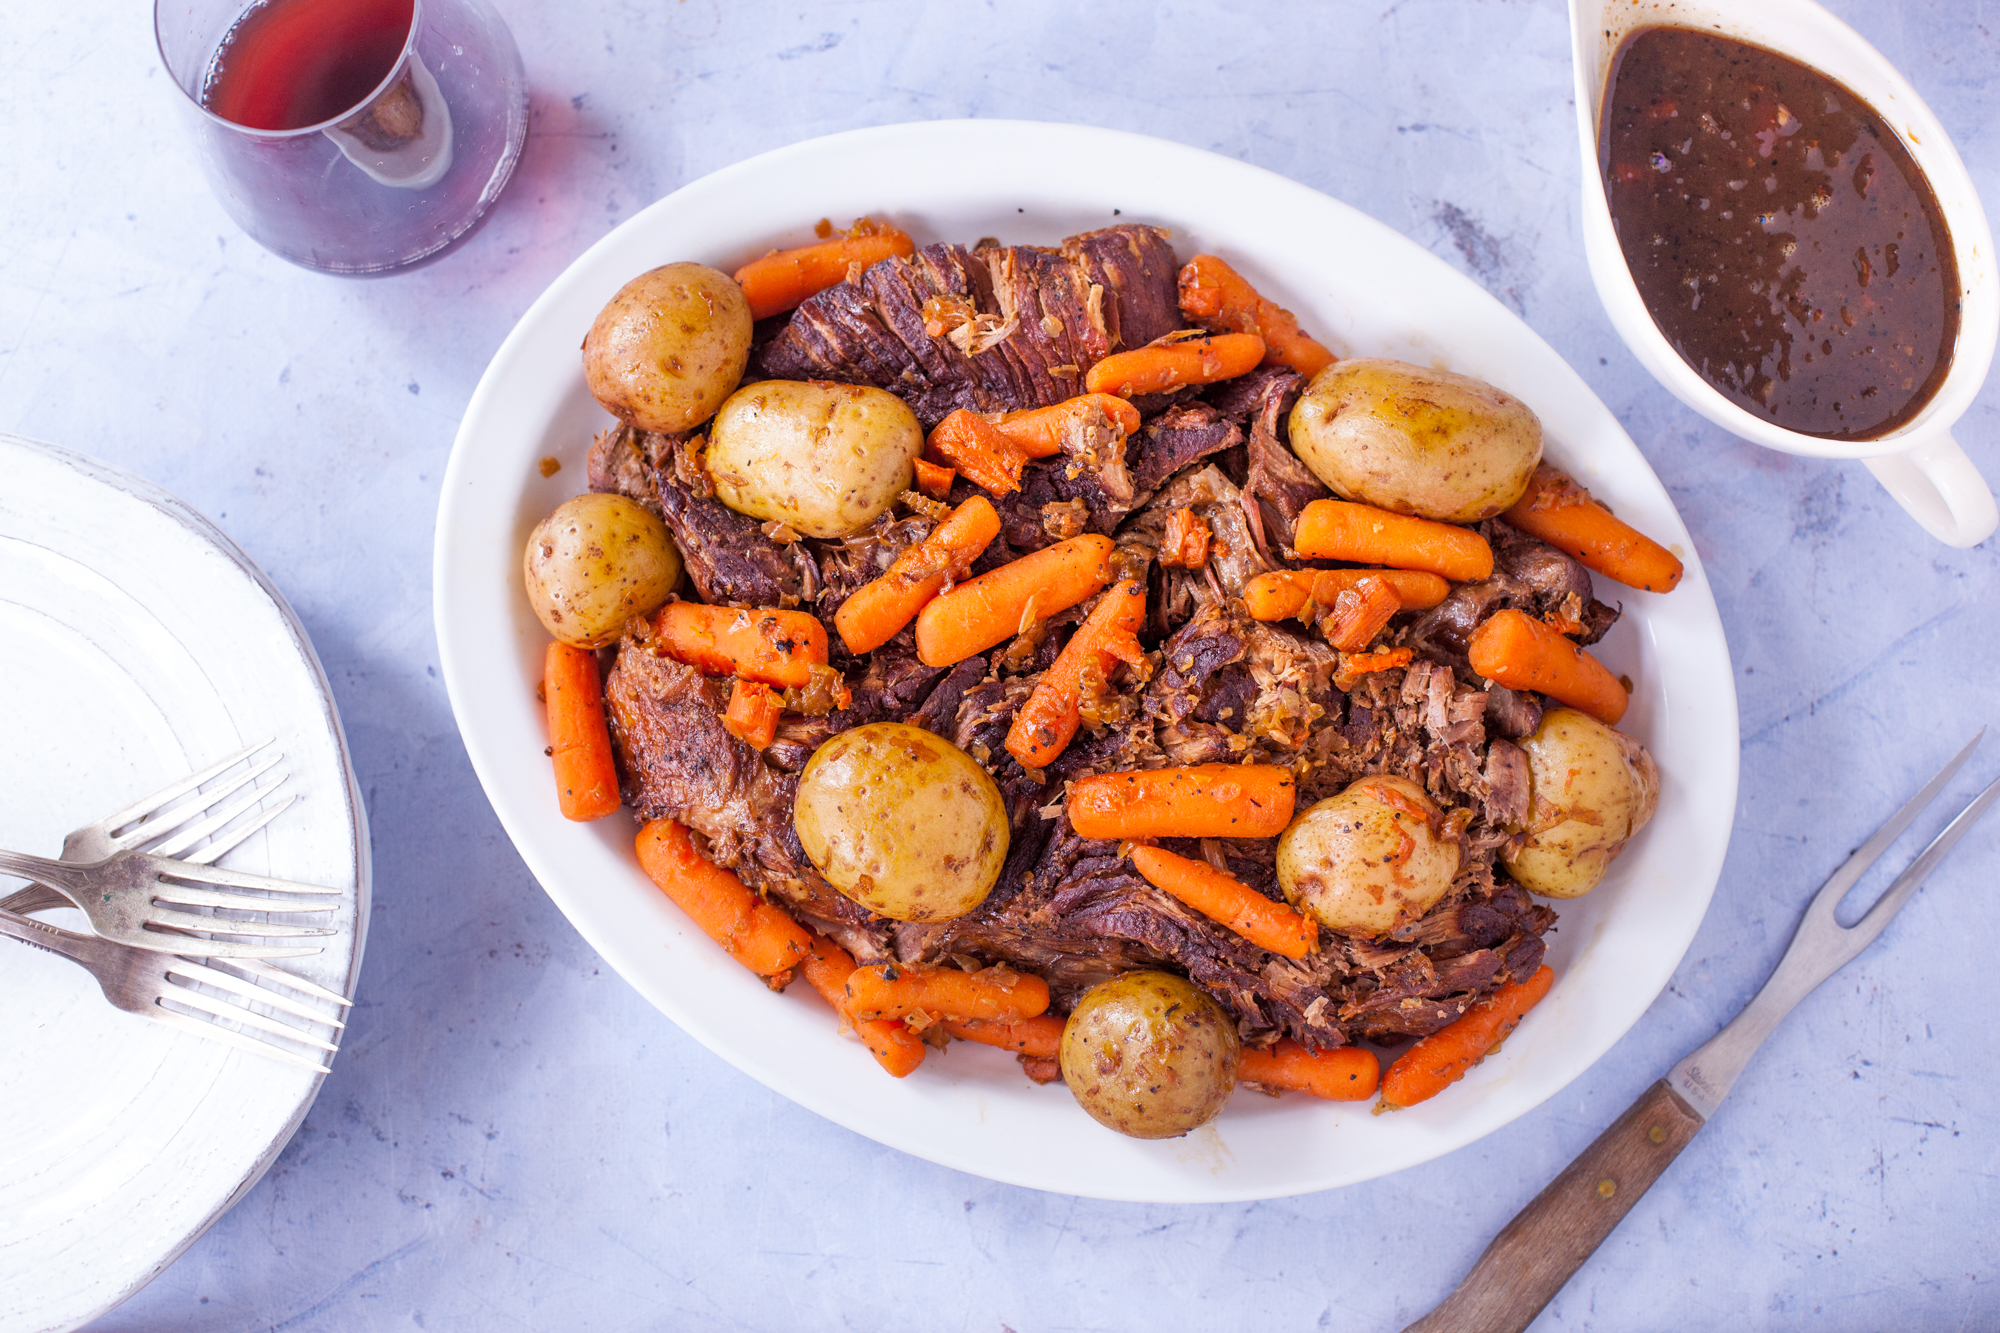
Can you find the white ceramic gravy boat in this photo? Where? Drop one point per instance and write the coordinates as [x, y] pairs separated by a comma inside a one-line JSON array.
[[1919, 464]]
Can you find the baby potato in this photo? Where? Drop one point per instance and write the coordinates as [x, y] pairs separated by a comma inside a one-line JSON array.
[[1369, 859], [669, 347], [1415, 440], [823, 459], [1590, 788], [596, 562], [902, 821], [1150, 1054]]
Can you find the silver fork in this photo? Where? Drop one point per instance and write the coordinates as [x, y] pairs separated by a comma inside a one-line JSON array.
[[123, 898], [145, 982], [1535, 1254], [179, 827]]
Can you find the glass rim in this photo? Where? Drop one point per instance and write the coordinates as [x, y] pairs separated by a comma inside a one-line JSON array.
[[194, 98]]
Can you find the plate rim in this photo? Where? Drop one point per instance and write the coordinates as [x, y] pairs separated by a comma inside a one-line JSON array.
[[157, 497], [1077, 139]]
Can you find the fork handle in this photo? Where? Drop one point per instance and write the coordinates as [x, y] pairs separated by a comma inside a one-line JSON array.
[[34, 898], [1535, 1254], [58, 875]]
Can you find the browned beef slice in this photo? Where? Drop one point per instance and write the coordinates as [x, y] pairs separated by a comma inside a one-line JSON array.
[[939, 712], [1136, 268], [1177, 437], [1276, 480], [676, 761], [728, 557], [618, 464], [1035, 326], [1246, 397]]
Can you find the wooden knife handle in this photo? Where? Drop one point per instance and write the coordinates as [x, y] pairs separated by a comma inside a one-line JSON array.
[[1535, 1254]]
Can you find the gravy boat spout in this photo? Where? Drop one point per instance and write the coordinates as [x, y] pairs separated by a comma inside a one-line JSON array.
[[1919, 463]]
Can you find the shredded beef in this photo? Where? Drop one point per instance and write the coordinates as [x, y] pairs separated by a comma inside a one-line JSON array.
[[1176, 438]]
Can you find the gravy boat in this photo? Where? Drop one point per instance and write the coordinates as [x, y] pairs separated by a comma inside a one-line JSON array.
[[1919, 463]]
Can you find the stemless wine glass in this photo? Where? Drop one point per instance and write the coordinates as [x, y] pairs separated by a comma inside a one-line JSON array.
[[392, 178]]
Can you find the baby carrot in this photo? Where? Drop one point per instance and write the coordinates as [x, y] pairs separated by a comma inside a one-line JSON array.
[[1048, 721], [1204, 801], [1441, 1059], [896, 990], [1343, 1074], [1343, 530], [1216, 296], [1360, 613], [1520, 652], [1003, 602], [1040, 430], [775, 647], [1224, 898], [1039, 1038], [785, 278], [894, 1046], [1563, 514], [977, 448], [756, 934], [1291, 592], [579, 741], [1158, 367], [753, 713], [876, 612]]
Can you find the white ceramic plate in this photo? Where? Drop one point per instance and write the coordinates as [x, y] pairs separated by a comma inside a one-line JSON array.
[[1353, 282], [136, 645]]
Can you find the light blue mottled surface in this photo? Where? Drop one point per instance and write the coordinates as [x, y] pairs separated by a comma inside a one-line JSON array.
[[513, 1139]]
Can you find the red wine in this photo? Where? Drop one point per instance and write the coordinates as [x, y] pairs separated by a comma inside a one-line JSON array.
[[288, 64]]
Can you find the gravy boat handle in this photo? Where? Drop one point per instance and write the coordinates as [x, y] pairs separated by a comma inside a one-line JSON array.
[[1941, 489]]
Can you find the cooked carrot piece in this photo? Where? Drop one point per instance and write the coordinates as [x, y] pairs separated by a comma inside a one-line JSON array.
[[1361, 612], [1228, 900], [1353, 666], [1562, 513], [785, 278], [933, 480], [876, 612], [775, 647], [762, 937], [579, 740], [753, 713], [976, 447], [1343, 1074], [1040, 430], [1343, 530], [894, 990], [1048, 721], [1203, 801], [1165, 365], [894, 1046], [1441, 1059], [1216, 296], [1520, 652], [1306, 592], [1038, 1038], [1185, 545], [1003, 602]]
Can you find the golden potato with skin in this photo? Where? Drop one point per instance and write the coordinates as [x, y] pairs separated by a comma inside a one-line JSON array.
[[902, 821], [1150, 1054], [823, 459], [1415, 440], [1369, 859], [669, 347], [1591, 787], [596, 562]]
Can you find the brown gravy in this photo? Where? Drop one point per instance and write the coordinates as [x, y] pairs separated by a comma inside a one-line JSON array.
[[1781, 236]]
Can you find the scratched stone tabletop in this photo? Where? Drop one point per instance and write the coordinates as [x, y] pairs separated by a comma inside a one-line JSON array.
[[512, 1138]]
